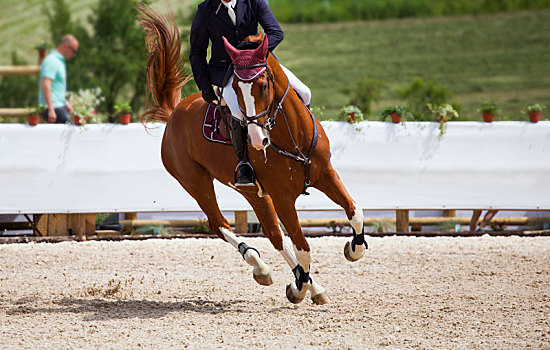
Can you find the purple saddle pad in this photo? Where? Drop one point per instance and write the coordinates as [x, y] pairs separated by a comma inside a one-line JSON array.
[[211, 125]]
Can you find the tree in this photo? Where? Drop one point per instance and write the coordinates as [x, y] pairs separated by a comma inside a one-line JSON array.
[[59, 19], [111, 56], [118, 55], [18, 91]]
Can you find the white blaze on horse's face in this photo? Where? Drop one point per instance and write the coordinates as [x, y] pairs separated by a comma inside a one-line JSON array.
[[257, 136]]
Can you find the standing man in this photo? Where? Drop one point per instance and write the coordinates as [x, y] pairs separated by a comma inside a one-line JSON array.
[[53, 81], [234, 20]]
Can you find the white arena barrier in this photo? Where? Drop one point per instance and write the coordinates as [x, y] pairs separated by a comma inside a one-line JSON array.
[[117, 168]]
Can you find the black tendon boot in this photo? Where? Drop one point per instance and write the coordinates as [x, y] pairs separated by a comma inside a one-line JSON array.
[[244, 175]]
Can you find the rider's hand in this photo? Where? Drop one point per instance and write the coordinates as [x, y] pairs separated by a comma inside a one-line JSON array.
[[209, 95]]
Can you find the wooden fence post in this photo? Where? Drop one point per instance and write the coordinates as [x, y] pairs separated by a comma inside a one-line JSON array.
[[130, 216], [82, 224], [241, 221], [41, 223], [449, 213], [57, 225], [402, 220]]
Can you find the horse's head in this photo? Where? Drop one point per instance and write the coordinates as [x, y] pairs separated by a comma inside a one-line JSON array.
[[254, 86]]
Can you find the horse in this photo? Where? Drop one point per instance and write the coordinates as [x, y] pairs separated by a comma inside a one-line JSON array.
[[288, 150]]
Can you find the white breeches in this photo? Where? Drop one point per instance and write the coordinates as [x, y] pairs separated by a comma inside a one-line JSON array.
[[230, 96]]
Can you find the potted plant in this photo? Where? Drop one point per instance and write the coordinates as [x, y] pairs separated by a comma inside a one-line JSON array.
[[534, 112], [84, 105], [42, 48], [396, 112], [33, 114], [351, 114], [123, 109], [443, 113], [489, 109]]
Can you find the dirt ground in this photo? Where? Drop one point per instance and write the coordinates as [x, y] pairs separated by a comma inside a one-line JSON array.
[[469, 293]]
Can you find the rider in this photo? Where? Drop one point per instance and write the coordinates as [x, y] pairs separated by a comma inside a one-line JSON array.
[[234, 20]]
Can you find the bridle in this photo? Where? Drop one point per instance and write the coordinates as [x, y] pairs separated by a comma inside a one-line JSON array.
[[272, 113]]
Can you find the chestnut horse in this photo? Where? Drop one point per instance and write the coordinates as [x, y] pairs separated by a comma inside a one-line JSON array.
[[289, 152]]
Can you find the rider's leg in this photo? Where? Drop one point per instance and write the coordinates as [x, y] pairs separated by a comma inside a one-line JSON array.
[[243, 172], [301, 88]]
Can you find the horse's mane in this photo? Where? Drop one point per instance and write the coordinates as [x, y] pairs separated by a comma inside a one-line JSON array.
[[252, 40], [164, 70]]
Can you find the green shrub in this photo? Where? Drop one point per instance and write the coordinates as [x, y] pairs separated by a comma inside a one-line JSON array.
[[318, 111], [346, 10], [365, 93], [419, 94], [18, 91]]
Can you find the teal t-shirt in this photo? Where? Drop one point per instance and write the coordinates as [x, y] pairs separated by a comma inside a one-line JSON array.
[[53, 67]]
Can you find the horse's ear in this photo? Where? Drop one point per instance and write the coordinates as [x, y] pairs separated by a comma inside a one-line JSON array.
[[261, 51], [231, 51]]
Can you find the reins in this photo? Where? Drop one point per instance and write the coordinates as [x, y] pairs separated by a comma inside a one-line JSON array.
[[270, 122]]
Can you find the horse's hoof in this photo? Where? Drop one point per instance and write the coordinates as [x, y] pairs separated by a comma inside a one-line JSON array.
[[320, 299], [348, 253], [291, 297], [264, 280]]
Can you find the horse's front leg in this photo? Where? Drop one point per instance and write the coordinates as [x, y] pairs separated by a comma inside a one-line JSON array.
[[199, 184], [298, 257], [331, 185]]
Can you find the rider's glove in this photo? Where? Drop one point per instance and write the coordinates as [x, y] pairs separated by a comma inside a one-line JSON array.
[[209, 95]]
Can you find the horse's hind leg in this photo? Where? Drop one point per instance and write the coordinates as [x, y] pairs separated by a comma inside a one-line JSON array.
[[332, 186], [199, 184], [299, 258]]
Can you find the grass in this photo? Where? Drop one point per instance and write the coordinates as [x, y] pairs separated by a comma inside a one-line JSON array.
[[23, 24], [503, 57], [346, 10]]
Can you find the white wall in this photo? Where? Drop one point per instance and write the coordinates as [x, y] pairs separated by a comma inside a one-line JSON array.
[[109, 168]]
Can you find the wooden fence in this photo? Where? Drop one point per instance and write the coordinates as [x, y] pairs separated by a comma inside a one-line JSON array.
[[17, 71], [84, 224]]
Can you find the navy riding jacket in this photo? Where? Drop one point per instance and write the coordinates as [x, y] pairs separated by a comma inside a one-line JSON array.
[[212, 21]]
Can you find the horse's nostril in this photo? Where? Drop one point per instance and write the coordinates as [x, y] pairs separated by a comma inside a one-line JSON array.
[[265, 142]]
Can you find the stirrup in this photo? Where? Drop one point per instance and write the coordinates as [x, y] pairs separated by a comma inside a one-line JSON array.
[[237, 171]]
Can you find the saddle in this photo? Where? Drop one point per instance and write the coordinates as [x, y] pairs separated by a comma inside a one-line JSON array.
[[215, 125]]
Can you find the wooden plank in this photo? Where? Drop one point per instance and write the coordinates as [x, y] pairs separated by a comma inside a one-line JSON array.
[[402, 220], [333, 222], [78, 224], [19, 70], [13, 112], [103, 233], [41, 223], [449, 213], [15, 225], [241, 221], [57, 225], [130, 216], [89, 224]]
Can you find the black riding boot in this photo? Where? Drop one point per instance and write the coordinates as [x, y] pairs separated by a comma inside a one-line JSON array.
[[244, 174]]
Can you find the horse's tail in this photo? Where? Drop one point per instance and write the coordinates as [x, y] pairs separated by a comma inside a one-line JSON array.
[[164, 70]]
